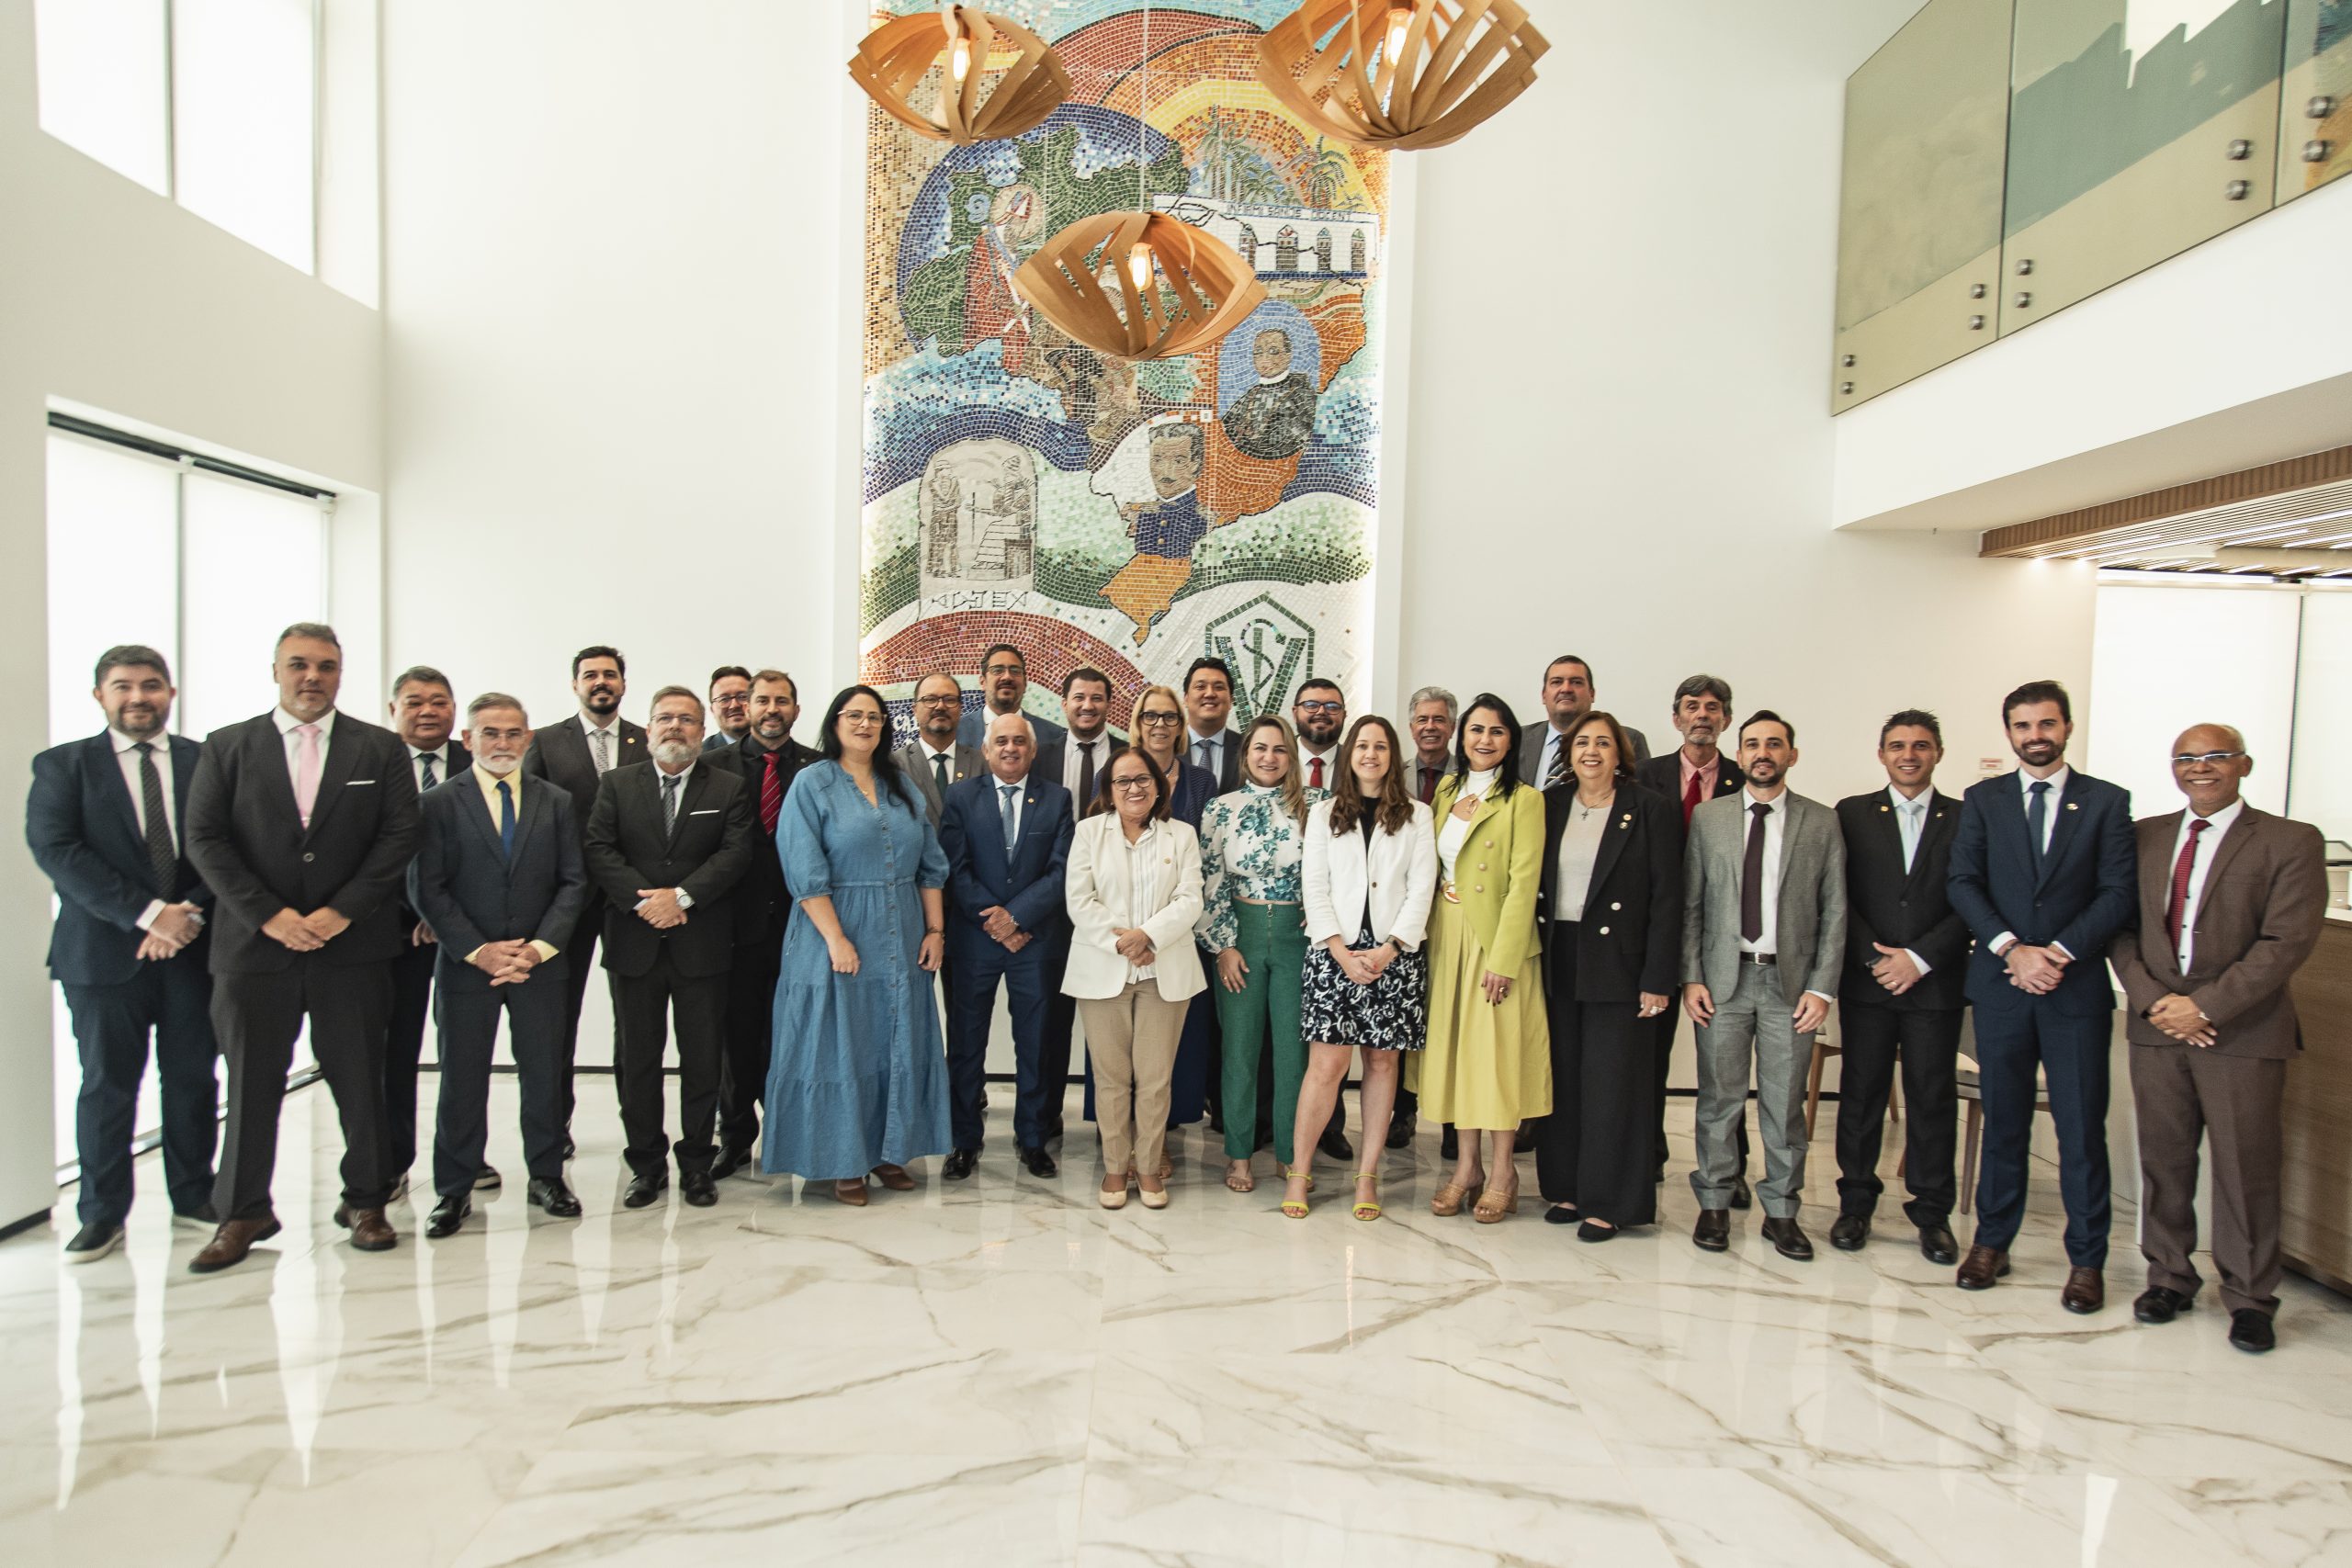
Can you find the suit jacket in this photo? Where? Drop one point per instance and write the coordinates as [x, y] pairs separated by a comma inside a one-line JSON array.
[[1909, 909], [1498, 876], [559, 754], [1630, 939], [972, 729], [83, 825], [703, 854], [1028, 887], [1810, 931], [1096, 892], [459, 760], [2258, 918], [1530, 749], [718, 740], [1346, 881], [969, 764], [247, 837], [1228, 770], [1053, 755], [1663, 775], [763, 902], [2079, 895], [1413, 778], [470, 891]]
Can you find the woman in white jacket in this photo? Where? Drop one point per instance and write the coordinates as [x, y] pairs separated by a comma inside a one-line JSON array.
[[1132, 884], [1369, 874]]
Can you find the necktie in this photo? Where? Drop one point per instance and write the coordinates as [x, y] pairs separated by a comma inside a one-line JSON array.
[[1751, 876], [604, 739], [1429, 784], [1314, 773], [670, 801], [2180, 872], [2037, 817], [772, 793], [1910, 811], [507, 818], [939, 769], [1086, 772], [1557, 772], [162, 857], [1691, 792], [306, 770], [428, 781], [1012, 822], [1201, 755]]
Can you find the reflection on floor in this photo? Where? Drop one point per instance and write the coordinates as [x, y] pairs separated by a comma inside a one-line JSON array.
[[999, 1371]]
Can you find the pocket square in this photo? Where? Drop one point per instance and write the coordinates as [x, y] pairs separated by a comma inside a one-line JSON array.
[[705, 811], [355, 784]]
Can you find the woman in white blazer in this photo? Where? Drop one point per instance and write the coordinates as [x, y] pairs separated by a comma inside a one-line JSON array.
[[1132, 884], [1369, 874]]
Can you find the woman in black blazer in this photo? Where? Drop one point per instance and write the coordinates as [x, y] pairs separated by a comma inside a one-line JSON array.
[[1610, 917]]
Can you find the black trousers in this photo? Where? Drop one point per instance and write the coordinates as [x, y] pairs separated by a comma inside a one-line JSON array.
[[582, 955], [469, 1033], [403, 1049], [1592, 1150], [1053, 1059], [258, 1018], [1928, 1042], [1667, 1023], [171, 999], [646, 1004], [751, 1036]]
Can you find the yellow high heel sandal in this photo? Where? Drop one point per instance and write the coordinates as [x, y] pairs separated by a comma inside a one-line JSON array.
[[1296, 1208], [1368, 1209]]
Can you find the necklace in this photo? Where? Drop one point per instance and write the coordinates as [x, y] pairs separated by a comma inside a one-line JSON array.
[[1586, 813]]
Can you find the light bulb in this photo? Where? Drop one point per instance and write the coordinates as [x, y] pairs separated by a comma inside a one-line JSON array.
[[1139, 265], [1399, 19], [959, 59]]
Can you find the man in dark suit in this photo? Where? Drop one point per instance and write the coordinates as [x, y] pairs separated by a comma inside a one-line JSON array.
[[423, 711], [1208, 741], [1004, 681], [498, 873], [2042, 871], [1906, 952], [576, 754], [302, 822], [936, 758], [1007, 837], [768, 758], [106, 820], [1079, 761], [2232, 901], [667, 842], [1568, 691], [731, 706]]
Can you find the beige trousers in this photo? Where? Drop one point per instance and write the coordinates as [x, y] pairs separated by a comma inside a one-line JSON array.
[[1131, 1039]]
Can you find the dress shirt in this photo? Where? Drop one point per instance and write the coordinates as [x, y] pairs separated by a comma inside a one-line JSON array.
[[286, 724], [2057, 783], [489, 782], [591, 727], [1553, 741], [1331, 760], [1195, 741], [684, 776], [997, 787], [1579, 848], [2207, 842], [1143, 886], [1073, 756], [1911, 821], [929, 751], [126, 754], [1776, 816], [440, 755], [1707, 776]]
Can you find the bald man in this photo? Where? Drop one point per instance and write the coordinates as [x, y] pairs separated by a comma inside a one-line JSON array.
[[2230, 903]]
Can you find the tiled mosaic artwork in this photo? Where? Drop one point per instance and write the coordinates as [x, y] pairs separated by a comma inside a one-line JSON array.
[[1021, 488]]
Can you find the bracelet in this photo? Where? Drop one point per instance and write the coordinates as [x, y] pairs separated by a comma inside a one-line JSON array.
[[934, 931]]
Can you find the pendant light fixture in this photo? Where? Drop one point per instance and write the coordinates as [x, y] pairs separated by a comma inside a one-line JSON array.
[[1402, 74], [957, 43]]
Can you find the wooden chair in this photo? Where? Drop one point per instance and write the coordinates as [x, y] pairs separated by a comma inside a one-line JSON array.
[[1972, 1094]]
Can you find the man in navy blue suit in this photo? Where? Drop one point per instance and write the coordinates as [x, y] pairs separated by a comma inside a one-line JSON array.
[[105, 820], [1007, 836], [2043, 870]]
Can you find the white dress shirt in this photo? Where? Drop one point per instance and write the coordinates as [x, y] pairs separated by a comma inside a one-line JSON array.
[[610, 727], [2057, 783], [997, 787], [685, 777], [440, 755], [1768, 941], [1331, 760], [1073, 756], [126, 756], [1911, 821], [286, 724], [1553, 741], [2207, 843], [1143, 856]]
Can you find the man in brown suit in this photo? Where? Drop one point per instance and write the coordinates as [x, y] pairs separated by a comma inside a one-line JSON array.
[[2230, 901]]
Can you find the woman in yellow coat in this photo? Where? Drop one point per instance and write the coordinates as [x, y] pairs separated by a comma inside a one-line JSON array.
[[1489, 1063]]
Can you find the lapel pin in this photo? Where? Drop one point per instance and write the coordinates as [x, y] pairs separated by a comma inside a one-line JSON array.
[[1886, 809], [2071, 806]]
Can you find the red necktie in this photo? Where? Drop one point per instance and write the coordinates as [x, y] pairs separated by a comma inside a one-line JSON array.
[[1689, 798], [2180, 870], [772, 793], [1314, 773], [1429, 784]]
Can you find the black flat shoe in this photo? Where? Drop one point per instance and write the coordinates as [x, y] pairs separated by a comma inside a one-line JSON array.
[[1591, 1232], [960, 1164], [556, 1199], [697, 1188], [1741, 1196], [732, 1158], [1561, 1215], [1788, 1239], [1937, 1245], [2252, 1332], [2159, 1303], [1851, 1232], [1037, 1162], [447, 1216], [644, 1190]]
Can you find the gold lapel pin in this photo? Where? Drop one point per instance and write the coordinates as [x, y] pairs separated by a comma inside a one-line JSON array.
[[2071, 806], [1886, 809]]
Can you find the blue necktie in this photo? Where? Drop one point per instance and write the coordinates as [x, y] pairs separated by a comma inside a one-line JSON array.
[[2037, 819], [1012, 823], [507, 818]]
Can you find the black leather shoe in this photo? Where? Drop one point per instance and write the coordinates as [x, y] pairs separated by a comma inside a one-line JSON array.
[[203, 1216], [487, 1179], [1037, 1162], [1713, 1233], [1937, 1245], [1741, 1196], [2252, 1331], [447, 1216], [1788, 1239], [643, 1190], [1334, 1145], [1851, 1232], [2159, 1303], [1049, 1133], [697, 1188], [1448, 1144], [1561, 1215], [960, 1164], [1402, 1127], [93, 1242], [732, 1158], [556, 1199]]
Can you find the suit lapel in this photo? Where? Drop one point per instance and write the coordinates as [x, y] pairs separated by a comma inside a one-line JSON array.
[[269, 763], [2069, 809], [2227, 850], [337, 769], [1612, 840], [1890, 836], [118, 788], [690, 794], [1790, 821]]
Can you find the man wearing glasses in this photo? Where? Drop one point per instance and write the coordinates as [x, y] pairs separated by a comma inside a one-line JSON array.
[[731, 706], [1004, 680], [937, 756], [2230, 903], [1319, 712]]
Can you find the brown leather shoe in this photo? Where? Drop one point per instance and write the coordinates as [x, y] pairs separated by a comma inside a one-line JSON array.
[[370, 1232], [1981, 1268], [230, 1243], [2086, 1291]]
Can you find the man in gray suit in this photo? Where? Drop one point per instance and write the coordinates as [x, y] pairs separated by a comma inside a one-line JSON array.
[[936, 757], [1568, 691], [1763, 941], [499, 876]]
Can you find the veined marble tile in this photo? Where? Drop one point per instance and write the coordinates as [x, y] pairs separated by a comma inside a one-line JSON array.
[[1735, 1327], [2285, 1522], [1356, 1317], [2183, 1424]]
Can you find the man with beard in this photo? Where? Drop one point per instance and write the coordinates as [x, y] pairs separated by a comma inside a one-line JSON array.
[[1209, 742], [2043, 870], [498, 873], [106, 820], [667, 843], [1318, 710], [575, 755], [731, 706], [1568, 691], [1763, 940], [1275, 418], [768, 758], [938, 756], [1004, 681]]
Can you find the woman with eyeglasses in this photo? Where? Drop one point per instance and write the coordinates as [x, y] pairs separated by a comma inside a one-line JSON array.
[[1251, 924], [1157, 728], [1133, 887], [857, 1084]]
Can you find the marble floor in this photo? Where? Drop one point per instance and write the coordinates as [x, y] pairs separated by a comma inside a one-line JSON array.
[[999, 1371]]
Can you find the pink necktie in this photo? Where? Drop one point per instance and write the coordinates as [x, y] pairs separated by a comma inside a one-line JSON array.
[[306, 770]]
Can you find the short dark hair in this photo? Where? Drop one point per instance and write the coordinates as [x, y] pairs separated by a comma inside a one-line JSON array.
[[1912, 718], [2037, 691], [1315, 683], [131, 655], [314, 631], [1766, 716], [1590, 679], [726, 669], [1194, 436], [1506, 777], [666, 692], [1713, 686], [598, 651], [1207, 662], [996, 648], [1086, 673], [766, 676], [423, 675], [1105, 802]]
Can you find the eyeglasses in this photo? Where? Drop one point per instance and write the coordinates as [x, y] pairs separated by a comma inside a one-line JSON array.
[[940, 702], [2183, 758], [993, 671], [1159, 718], [1304, 706], [1131, 786]]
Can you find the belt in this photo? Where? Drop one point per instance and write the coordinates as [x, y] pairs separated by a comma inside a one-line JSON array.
[[1759, 958], [1267, 903]]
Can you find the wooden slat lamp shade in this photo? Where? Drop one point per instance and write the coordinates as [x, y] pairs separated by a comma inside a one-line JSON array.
[[1458, 63], [1200, 290], [896, 57]]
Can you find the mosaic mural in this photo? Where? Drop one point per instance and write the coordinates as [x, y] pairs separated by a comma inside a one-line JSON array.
[[1021, 488]]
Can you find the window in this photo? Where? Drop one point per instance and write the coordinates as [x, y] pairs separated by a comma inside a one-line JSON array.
[[104, 83]]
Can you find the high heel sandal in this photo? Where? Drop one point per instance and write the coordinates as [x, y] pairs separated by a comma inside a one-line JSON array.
[[1447, 1201], [1296, 1208], [1368, 1209], [1496, 1204]]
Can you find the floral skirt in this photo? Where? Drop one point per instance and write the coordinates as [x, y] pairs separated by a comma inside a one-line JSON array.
[[1390, 1014]]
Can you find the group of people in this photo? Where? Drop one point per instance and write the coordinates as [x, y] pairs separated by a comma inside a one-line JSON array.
[[1499, 923]]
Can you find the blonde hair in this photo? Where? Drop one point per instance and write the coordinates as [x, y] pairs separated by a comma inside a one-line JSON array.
[[1135, 720], [1292, 789]]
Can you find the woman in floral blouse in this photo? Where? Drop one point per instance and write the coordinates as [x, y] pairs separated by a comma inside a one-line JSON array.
[[1250, 848]]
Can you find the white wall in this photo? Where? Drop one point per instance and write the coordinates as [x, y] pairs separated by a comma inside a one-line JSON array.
[[114, 299]]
